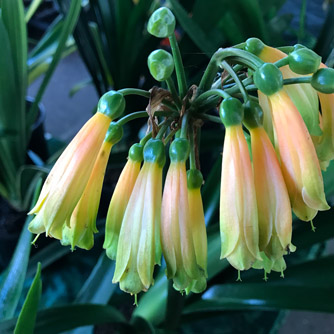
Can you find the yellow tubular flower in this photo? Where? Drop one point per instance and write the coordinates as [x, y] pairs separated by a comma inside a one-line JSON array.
[[68, 178], [324, 144], [197, 223], [120, 199], [273, 204], [303, 95], [139, 244], [176, 230], [238, 210], [82, 225], [299, 162]]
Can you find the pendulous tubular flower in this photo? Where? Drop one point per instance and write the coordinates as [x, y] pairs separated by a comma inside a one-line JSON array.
[[238, 209], [139, 247], [120, 199], [177, 235], [197, 224], [273, 204], [299, 162], [68, 178], [82, 226]]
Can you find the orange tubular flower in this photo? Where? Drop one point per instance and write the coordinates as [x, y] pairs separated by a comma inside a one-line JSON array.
[[69, 176], [176, 231], [139, 243], [324, 144], [303, 95], [299, 162], [238, 210], [120, 199], [82, 226], [274, 210]]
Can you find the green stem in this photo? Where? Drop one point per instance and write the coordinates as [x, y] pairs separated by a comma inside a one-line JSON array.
[[179, 69], [211, 118], [170, 135], [163, 129], [291, 81], [175, 302], [144, 140], [172, 89], [286, 49], [212, 92], [184, 126], [135, 91], [141, 114], [192, 157], [246, 82], [282, 62], [234, 55], [235, 77]]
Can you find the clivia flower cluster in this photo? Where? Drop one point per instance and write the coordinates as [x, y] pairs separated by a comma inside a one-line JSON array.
[[270, 96]]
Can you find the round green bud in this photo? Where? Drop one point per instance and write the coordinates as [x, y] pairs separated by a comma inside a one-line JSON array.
[[154, 151], [304, 61], [114, 133], [268, 79], [323, 80], [253, 114], [194, 179], [112, 104], [136, 152], [160, 64], [161, 23], [254, 45], [231, 111], [179, 150]]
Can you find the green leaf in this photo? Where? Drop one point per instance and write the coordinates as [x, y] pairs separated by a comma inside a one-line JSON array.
[[80, 85], [26, 321], [12, 283], [302, 289], [12, 12], [98, 288], [59, 319], [32, 9], [192, 29], [69, 24]]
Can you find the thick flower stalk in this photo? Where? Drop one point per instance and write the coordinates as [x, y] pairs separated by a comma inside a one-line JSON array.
[[238, 208], [120, 199], [82, 225], [177, 233], [139, 243], [68, 178], [273, 204]]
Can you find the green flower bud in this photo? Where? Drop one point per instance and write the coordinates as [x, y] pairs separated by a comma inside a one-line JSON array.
[[194, 179], [298, 47], [304, 61], [114, 133], [154, 151], [112, 104], [136, 152], [323, 80], [231, 111], [253, 114], [254, 45], [160, 64], [268, 79], [161, 23], [179, 150]]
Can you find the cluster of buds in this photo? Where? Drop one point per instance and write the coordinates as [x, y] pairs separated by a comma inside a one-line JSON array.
[[276, 143]]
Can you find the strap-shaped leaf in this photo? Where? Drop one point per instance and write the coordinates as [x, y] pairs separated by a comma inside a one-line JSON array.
[[308, 286], [12, 283], [26, 321], [59, 319]]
